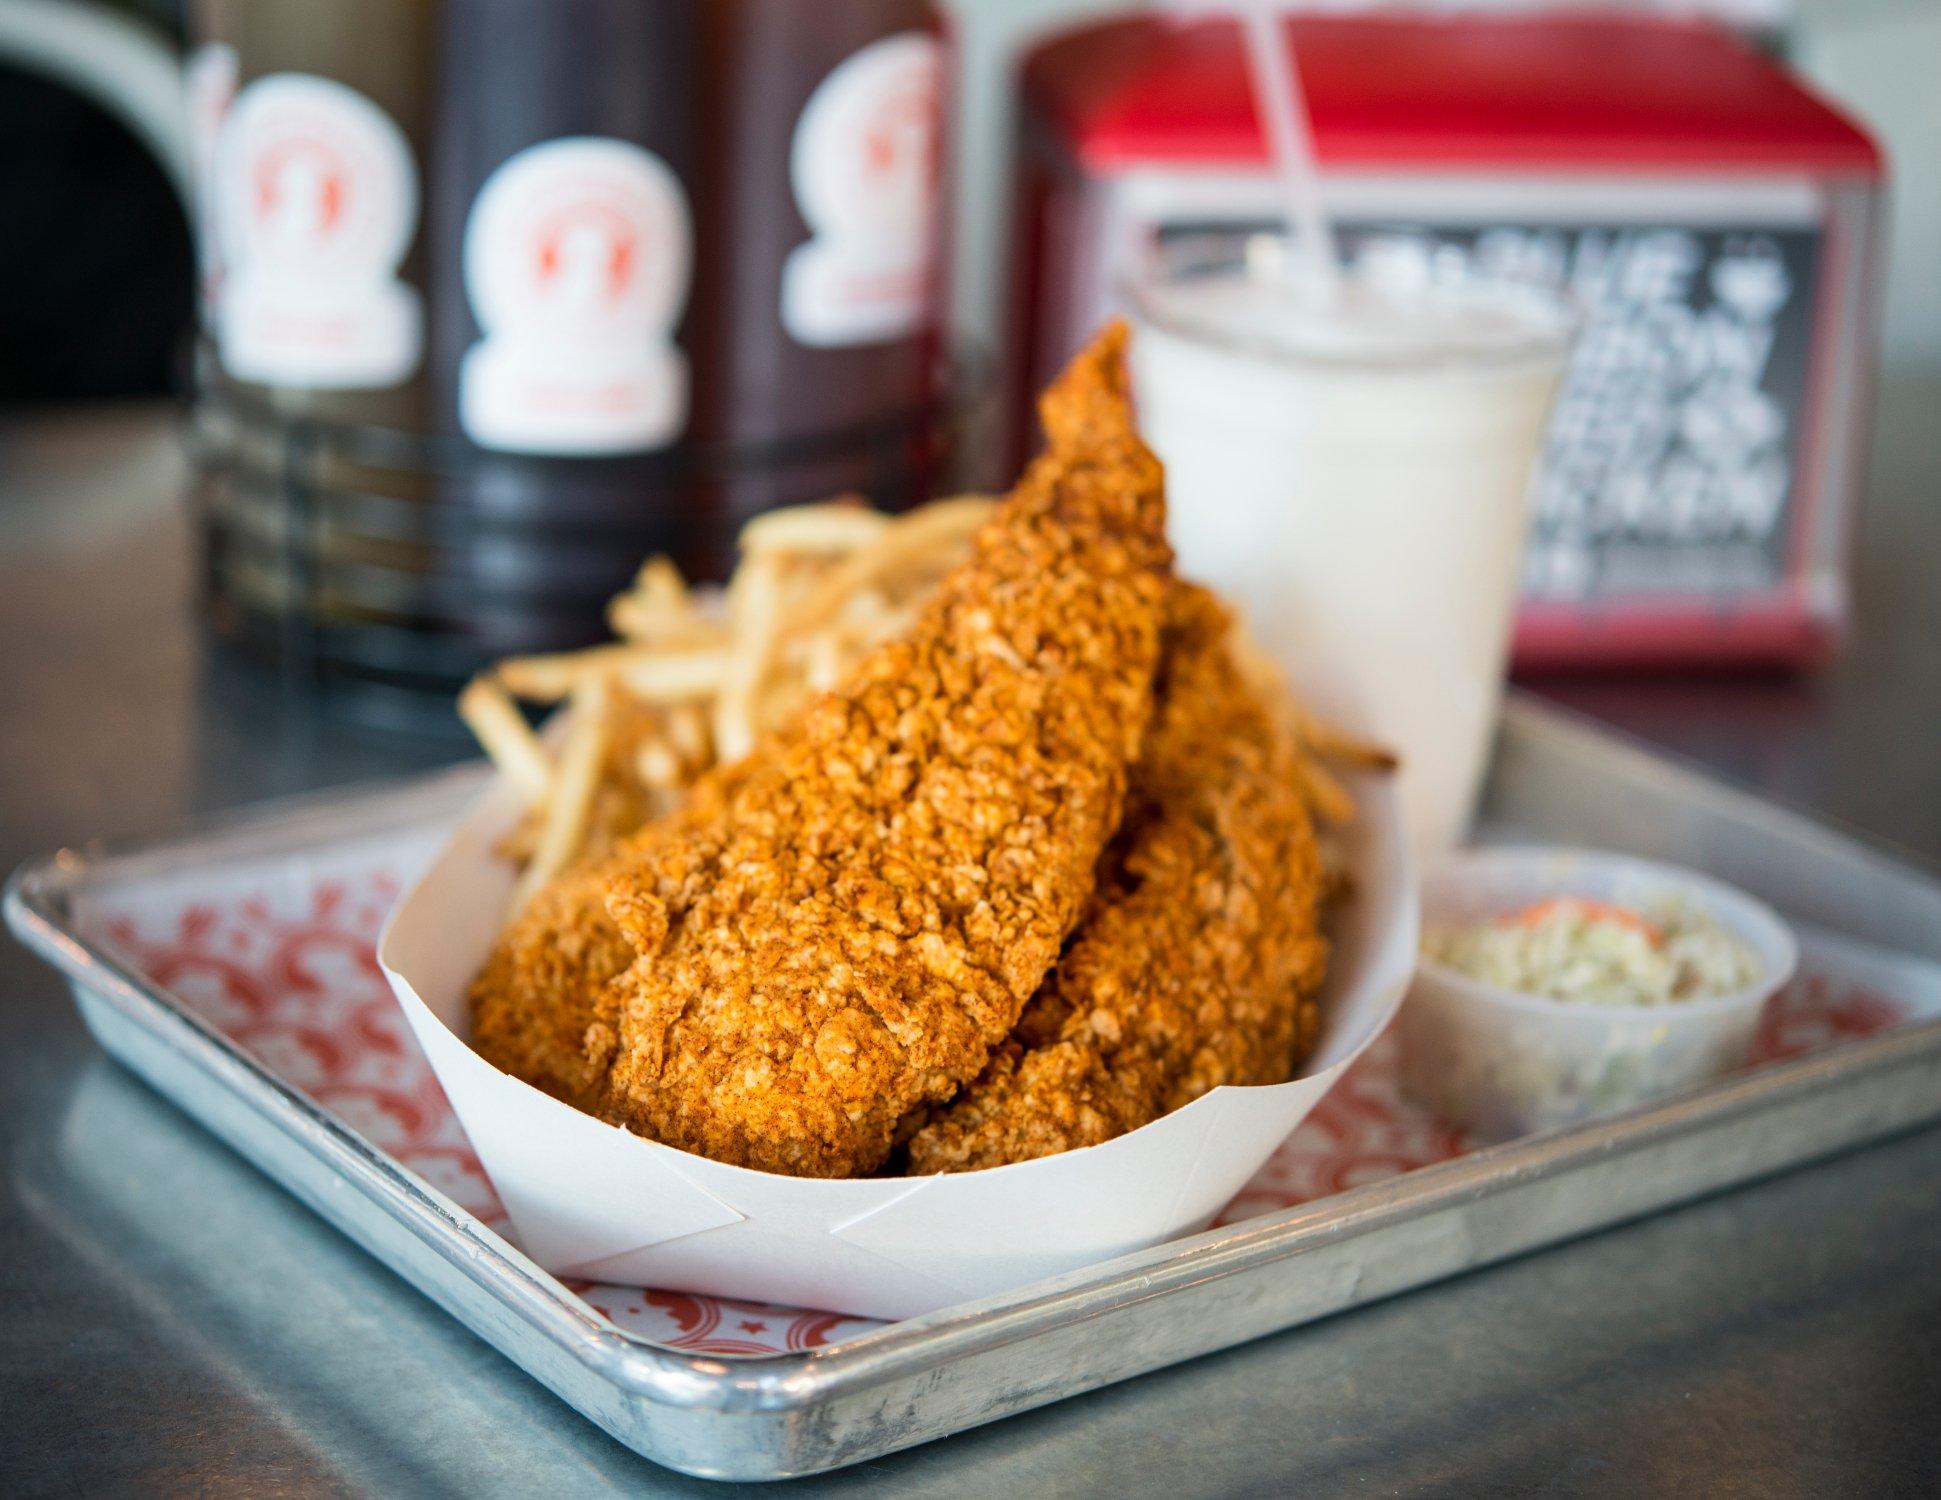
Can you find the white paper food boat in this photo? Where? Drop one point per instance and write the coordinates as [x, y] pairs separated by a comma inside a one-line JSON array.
[[589, 1199]]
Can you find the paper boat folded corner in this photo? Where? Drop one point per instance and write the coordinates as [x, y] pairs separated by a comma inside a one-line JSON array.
[[589, 1199]]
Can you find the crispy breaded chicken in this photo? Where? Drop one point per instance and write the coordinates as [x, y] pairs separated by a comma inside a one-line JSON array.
[[844, 927], [1198, 957], [534, 1000]]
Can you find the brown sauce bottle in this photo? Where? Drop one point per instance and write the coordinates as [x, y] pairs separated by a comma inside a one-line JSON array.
[[822, 153], [565, 260], [319, 115]]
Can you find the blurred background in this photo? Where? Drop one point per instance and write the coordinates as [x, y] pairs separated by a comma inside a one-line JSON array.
[[87, 106], [342, 284]]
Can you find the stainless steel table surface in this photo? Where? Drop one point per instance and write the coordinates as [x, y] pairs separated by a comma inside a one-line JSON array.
[[170, 1322]]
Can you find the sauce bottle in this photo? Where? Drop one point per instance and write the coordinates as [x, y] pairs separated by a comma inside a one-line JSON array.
[[311, 121], [821, 164], [564, 260]]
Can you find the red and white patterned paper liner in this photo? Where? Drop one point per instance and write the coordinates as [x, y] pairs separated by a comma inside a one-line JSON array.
[[286, 967]]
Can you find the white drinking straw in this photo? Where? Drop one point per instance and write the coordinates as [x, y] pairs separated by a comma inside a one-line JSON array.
[[1290, 140]]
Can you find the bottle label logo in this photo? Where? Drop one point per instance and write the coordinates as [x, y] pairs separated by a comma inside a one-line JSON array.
[[577, 257], [316, 202], [864, 168]]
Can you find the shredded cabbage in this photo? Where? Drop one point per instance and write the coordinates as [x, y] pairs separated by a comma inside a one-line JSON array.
[[1572, 949]]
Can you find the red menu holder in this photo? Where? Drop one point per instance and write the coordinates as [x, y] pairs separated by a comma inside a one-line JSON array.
[[1719, 224]]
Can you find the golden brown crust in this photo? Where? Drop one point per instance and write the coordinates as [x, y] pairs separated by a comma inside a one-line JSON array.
[[534, 1000], [851, 929], [1197, 959], [840, 946]]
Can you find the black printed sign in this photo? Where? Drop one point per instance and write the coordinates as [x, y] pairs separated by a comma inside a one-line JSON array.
[[1672, 455], [1672, 450]]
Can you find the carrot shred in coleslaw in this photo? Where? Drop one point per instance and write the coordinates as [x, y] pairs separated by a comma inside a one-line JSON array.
[[1539, 912], [1580, 948]]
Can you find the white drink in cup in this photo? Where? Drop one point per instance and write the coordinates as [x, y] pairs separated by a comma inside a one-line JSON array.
[[1351, 466]]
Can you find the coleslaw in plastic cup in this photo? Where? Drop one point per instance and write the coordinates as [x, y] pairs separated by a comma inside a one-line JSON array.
[[1502, 1062]]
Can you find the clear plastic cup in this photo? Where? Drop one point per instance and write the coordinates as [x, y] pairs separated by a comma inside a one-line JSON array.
[[1352, 468], [1501, 1064]]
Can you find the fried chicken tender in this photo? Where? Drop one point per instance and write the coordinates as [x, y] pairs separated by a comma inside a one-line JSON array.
[[1197, 960], [534, 1000], [844, 927]]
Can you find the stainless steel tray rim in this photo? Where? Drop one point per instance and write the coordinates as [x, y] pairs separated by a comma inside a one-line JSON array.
[[759, 1383], [1282, 1235], [31, 905], [809, 1410]]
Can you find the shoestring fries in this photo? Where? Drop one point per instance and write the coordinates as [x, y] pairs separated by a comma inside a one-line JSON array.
[[697, 676], [1318, 742], [508, 738], [569, 804]]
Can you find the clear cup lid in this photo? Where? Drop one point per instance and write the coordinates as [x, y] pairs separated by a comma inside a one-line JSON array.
[[1398, 305]]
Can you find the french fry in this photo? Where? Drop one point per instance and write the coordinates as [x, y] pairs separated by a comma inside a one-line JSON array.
[[1331, 801], [675, 676], [823, 666], [687, 732], [830, 529], [864, 611], [653, 674], [660, 583], [1321, 739], [755, 611], [658, 766], [1331, 743], [689, 687], [547, 679], [563, 832], [659, 608], [643, 621], [906, 541], [504, 735]]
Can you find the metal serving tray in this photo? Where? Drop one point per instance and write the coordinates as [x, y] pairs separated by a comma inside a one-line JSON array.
[[806, 1411]]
